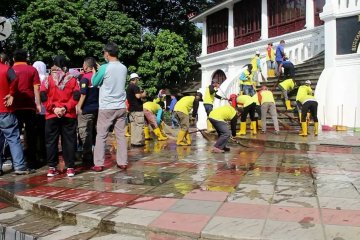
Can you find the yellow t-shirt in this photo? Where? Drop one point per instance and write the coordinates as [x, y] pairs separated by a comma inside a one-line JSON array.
[[246, 74], [244, 100], [256, 99], [223, 113], [185, 105], [152, 107], [287, 84], [302, 92], [254, 63], [208, 98], [267, 97], [307, 98]]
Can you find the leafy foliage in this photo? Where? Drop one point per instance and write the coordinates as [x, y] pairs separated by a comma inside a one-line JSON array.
[[164, 62], [74, 29]]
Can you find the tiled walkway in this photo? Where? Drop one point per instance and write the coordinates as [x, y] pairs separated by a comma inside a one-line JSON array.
[[172, 192]]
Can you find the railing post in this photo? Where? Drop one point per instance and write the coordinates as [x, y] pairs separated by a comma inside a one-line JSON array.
[[264, 20], [231, 35], [310, 14], [204, 38]]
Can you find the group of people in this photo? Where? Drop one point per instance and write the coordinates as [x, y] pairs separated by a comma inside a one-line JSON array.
[[251, 101], [90, 104], [62, 103]]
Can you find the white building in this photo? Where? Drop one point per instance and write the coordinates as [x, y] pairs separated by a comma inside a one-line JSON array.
[[234, 30]]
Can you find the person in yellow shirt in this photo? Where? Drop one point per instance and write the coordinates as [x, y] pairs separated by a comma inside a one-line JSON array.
[[306, 102], [219, 118], [248, 104], [270, 60], [285, 87], [303, 91], [246, 79], [182, 110], [267, 102], [256, 67], [209, 96], [153, 114]]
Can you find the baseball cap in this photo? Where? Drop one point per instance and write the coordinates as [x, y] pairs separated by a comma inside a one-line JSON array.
[[308, 82], [134, 75], [257, 53], [199, 94]]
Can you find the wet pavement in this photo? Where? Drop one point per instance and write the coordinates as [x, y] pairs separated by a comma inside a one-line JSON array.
[[170, 192]]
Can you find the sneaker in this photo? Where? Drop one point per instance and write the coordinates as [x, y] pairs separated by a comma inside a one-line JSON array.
[[277, 133], [262, 132], [52, 172], [70, 172], [123, 167], [217, 150], [226, 149], [24, 172], [97, 168]]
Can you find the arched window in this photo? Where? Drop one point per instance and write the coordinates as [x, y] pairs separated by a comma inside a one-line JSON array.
[[219, 75]]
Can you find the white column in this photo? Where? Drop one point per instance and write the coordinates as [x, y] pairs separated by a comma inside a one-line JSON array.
[[231, 27], [310, 14], [204, 38], [264, 20]]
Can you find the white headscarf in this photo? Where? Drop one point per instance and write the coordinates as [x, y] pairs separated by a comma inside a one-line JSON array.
[[41, 68]]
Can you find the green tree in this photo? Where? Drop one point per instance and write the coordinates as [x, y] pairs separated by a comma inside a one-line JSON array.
[[76, 29], [164, 62], [53, 27]]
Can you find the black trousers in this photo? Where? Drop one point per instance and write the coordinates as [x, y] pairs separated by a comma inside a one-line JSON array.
[[223, 131], [27, 117], [40, 130], [248, 110], [289, 71], [309, 106], [66, 128]]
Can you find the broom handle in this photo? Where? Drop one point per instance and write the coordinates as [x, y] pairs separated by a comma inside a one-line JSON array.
[[342, 114], [355, 120], [337, 116]]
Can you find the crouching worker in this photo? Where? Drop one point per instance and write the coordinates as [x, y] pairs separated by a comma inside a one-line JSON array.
[[153, 114], [249, 107], [182, 110], [308, 103], [285, 87], [219, 118]]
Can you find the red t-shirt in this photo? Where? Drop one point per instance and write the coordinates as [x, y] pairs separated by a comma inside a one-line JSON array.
[[28, 77]]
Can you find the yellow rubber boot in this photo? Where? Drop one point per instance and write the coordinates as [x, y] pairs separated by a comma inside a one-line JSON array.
[[303, 129], [180, 138], [242, 129], [158, 134], [147, 133], [188, 138], [316, 128], [210, 127], [127, 131], [288, 105], [259, 124], [254, 128]]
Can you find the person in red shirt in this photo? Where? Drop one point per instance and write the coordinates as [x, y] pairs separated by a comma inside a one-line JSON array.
[[60, 94], [9, 130], [27, 103]]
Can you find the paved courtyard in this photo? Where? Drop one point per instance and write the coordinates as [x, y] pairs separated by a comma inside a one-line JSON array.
[[276, 187]]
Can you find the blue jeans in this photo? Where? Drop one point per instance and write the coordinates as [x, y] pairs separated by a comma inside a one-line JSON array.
[[10, 131], [208, 108], [248, 90], [174, 121]]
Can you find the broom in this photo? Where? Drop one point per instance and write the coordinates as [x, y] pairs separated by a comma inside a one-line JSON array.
[[341, 127]]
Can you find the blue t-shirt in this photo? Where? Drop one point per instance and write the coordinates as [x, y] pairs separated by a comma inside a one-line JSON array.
[[172, 104], [91, 103], [279, 55]]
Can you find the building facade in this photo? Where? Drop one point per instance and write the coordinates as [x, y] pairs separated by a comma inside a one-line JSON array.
[[234, 30]]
